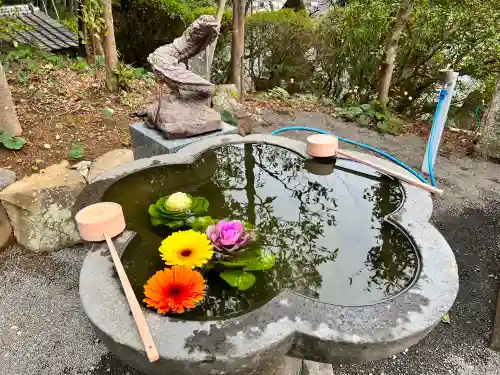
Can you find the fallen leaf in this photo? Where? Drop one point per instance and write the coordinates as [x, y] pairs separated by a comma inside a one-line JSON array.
[[446, 319], [108, 112]]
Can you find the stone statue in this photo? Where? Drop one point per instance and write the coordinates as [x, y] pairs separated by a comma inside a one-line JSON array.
[[183, 112]]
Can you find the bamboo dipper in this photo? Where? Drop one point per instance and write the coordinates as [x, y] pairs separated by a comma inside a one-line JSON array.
[[323, 146], [102, 221]]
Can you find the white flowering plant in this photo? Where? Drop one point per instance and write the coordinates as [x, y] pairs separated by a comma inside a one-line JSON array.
[[178, 210]]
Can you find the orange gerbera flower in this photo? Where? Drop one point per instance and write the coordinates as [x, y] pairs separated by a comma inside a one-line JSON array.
[[174, 289]]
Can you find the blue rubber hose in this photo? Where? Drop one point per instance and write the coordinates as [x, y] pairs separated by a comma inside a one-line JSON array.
[[368, 147]]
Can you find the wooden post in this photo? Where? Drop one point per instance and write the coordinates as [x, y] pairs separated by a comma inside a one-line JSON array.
[[244, 123]]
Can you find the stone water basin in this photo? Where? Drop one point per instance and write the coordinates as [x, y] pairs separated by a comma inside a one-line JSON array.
[[360, 273]]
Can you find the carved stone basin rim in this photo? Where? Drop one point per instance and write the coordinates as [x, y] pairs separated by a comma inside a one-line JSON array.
[[289, 324]]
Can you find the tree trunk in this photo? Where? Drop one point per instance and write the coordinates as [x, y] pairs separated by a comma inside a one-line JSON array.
[[490, 134], [110, 46], [391, 46], [83, 49], [238, 44], [221, 5], [97, 44], [9, 123]]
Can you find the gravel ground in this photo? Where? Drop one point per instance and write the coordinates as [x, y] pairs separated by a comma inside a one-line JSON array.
[[44, 331]]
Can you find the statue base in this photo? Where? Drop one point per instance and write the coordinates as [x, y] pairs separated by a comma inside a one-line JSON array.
[[148, 142]]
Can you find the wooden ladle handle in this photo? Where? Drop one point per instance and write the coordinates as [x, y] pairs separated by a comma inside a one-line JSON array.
[[140, 321], [390, 172]]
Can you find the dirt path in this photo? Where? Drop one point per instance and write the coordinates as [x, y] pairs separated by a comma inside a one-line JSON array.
[[60, 109]]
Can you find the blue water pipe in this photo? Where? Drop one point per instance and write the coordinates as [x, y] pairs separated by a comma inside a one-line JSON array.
[[442, 96]]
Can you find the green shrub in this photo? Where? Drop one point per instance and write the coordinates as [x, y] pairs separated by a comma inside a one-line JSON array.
[[278, 93], [373, 115], [141, 26], [462, 35], [126, 75], [349, 48], [277, 44]]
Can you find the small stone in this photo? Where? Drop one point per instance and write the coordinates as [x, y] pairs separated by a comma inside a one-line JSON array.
[[19, 333], [14, 327], [108, 370], [394, 357], [97, 341], [46, 145], [58, 137], [92, 368], [406, 351]]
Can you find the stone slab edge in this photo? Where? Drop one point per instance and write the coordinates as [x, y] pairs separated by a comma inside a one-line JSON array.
[[147, 142], [289, 323]]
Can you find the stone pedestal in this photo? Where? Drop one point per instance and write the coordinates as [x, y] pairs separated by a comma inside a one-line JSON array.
[[290, 324], [148, 142]]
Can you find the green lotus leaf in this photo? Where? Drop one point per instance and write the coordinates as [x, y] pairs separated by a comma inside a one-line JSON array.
[[160, 204], [265, 261], [156, 221], [200, 205], [154, 212], [238, 279], [200, 223], [174, 224], [243, 260]]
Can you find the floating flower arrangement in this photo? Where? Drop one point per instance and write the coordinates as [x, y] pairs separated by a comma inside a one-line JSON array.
[[227, 247]]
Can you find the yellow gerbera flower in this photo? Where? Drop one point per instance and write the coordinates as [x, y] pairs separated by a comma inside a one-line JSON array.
[[186, 248]]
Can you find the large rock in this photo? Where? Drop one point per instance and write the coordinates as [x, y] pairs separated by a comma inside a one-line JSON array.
[[39, 208], [183, 118], [7, 177], [110, 160]]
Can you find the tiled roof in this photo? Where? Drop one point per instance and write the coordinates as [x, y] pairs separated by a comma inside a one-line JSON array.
[[42, 30]]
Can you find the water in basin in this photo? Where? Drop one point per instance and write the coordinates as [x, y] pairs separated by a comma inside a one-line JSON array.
[[326, 229]]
